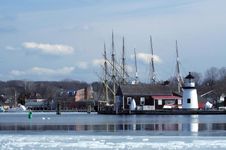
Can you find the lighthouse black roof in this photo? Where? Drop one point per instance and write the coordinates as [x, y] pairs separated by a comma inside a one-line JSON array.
[[189, 76]]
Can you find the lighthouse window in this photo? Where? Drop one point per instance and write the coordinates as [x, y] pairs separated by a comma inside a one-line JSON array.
[[189, 100]]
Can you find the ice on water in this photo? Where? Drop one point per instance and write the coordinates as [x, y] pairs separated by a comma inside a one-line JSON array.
[[81, 142], [89, 131]]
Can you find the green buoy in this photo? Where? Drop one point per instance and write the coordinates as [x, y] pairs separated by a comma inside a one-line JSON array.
[[29, 114]]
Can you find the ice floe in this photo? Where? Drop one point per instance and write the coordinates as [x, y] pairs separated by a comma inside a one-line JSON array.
[[86, 142]]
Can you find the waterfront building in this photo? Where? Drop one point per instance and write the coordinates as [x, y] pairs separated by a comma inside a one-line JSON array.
[[84, 94], [85, 99], [190, 98], [37, 104], [146, 97]]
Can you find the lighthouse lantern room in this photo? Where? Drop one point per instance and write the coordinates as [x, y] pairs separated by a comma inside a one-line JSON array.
[[190, 98]]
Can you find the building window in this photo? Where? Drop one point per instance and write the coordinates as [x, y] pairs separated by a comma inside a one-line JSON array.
[[160, 102], [169, 102], [188, 100], [142, 101], [129, 99], [179, 102]]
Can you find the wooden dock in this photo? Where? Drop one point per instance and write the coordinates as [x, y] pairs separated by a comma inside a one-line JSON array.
[[165, 112]]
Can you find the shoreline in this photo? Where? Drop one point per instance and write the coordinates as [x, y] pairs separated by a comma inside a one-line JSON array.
[[165, 112]]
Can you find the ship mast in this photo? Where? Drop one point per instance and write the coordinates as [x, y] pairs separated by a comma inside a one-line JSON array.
[[113, 67], [123, 61], [179, 78], [105, 75], [153, 74], [136, 73]]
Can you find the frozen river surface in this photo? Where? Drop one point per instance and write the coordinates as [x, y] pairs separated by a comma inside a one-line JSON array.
[[48, 142], [92, 131]]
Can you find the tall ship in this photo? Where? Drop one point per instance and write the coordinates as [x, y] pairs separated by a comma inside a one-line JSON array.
[[124, 94]]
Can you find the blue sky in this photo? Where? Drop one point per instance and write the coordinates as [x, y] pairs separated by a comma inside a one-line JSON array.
[[63, 39]]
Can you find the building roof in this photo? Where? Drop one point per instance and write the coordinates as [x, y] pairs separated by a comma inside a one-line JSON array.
[[166, 97], [143, 89], [189, 76]]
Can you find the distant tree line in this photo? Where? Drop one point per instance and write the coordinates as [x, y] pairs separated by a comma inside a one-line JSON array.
[[18, 90]]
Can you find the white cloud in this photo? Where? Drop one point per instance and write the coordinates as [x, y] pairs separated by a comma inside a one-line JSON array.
[[98, 62], [54, 49], [146, 58], [86, 27], [43, 71], [47, 71], [82, 65], [17, 73], [10, 48]]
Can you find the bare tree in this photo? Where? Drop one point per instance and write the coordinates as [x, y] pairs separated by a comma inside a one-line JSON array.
[[211, 76], [197, 77], [222, 73]]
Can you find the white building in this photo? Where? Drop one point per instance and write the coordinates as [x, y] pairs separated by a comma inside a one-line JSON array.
[[190, 98]]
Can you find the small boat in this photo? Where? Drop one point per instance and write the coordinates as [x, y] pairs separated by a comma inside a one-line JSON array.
[[20, 108], [89, 109], [2, 109]]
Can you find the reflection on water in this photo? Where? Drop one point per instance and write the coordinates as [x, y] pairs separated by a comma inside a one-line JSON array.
[[164, 125], [193, 127]]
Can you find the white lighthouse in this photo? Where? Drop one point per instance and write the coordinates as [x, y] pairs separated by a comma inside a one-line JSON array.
[[190, 98]]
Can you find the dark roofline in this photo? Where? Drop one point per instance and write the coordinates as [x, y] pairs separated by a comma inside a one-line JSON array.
[[189, 76], [143, 90]]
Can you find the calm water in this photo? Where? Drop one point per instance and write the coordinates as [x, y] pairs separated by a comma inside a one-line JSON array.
[[94, 124]]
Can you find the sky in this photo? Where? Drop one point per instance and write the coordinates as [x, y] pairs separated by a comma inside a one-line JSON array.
[[64, 39]]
